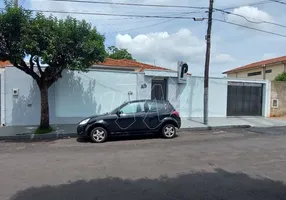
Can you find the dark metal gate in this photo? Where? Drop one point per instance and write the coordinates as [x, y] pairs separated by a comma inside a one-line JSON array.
[[244, 99], [159, 89]]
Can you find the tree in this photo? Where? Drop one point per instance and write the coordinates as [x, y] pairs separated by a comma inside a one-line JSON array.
[[115, 53], [51, 45], [281, 77]]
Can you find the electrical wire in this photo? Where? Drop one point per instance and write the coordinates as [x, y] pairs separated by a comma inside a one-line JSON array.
[[156, 5], [251, 4], [176, 6], [255, 22], [131, 4], [256, 29], [158, 16], [110, 14], [276, 1]]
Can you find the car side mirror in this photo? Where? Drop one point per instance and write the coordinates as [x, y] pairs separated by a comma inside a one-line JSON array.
[[118, 112]]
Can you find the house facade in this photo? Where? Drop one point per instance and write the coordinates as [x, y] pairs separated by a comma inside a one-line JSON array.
[[263, 70], [80, 94]]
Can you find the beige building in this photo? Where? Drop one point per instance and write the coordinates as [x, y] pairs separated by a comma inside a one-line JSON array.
[[263, 70]]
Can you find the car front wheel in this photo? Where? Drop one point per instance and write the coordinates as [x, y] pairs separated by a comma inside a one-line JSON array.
[[169, 131], [98, 135]]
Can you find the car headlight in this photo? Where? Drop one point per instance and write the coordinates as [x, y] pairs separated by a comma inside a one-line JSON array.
[[83, 122]]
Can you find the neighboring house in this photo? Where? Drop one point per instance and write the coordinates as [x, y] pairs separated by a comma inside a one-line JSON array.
[[263, 70]]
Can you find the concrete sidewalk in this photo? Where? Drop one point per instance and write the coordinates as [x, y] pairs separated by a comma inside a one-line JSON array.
[[69, 130], [234, 121]]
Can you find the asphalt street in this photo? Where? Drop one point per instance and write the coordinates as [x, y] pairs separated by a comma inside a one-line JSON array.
[[220, 164]]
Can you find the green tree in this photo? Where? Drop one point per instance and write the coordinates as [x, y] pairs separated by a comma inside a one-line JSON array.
[[116, 53], [50, 44], [281, 77]]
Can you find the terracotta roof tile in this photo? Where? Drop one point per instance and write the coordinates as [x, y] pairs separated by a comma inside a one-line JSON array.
[[4, 64], [257, 64], [130, 63], [114, 63]]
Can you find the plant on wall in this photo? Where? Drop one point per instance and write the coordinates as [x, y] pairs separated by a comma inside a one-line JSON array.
[[281, 77], [50, 45]]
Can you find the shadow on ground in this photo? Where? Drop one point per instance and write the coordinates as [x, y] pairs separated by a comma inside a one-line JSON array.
[[116, 138], [219, 185]]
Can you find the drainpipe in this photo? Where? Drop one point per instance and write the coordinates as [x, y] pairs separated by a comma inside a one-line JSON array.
[[263, 71], [3, 97]]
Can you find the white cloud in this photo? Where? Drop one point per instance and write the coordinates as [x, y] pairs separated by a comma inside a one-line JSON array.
[[222, 59], [165, 49], [251, 14]]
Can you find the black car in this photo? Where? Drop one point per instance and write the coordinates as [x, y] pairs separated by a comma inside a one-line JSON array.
[[142, 116]]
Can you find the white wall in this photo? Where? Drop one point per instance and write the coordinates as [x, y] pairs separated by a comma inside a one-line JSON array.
[[190, 97], [78, 95], [23, 109], [96, 92]]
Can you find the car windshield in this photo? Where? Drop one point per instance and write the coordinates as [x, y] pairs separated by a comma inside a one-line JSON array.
[[114, 110]]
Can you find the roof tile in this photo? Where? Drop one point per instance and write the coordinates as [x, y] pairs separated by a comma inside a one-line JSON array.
[[4, 64], [130, 63], [257, 64], [113, 63]]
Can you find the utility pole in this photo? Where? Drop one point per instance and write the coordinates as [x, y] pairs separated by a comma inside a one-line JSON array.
[[207, 63], [16, 3]]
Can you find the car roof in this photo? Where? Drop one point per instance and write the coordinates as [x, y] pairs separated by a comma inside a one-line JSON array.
[[149, 100]]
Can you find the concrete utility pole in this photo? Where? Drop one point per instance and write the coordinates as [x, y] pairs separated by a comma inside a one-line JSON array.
[[207, 63], [16, 3]]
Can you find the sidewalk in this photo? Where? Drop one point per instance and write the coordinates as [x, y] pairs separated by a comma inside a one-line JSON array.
[[233, 121], [69, 130]]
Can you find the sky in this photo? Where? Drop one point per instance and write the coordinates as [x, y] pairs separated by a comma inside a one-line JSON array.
[[164, 42]]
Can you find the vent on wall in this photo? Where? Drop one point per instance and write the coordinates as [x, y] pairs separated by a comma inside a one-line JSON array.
[[274, 103]]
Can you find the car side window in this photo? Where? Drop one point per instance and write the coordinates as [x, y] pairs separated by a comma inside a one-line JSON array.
[[157, 107], [132, 108]]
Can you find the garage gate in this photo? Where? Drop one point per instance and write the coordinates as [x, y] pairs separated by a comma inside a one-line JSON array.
[[244, 99]]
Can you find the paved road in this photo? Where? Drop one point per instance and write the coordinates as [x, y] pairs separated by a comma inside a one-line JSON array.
[[236, 164]]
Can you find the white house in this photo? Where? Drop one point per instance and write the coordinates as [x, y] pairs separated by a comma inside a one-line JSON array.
[[107, 85]]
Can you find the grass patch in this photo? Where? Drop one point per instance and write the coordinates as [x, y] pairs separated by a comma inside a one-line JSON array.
[[44, 131]]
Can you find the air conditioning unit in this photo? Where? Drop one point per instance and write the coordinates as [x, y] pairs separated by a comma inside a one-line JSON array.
[[274, 103]]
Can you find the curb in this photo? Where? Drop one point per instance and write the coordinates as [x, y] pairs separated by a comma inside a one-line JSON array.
[[49, 136], [213, 128], [56, 136]]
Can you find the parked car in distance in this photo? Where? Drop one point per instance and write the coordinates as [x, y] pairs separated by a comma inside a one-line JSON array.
[[134, 117]]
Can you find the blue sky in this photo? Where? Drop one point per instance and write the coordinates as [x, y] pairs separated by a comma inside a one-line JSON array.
[[163, 43]]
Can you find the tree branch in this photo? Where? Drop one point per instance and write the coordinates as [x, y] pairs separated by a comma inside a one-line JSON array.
[[39, 66], [54, 76], [32, 63], [23, 66]]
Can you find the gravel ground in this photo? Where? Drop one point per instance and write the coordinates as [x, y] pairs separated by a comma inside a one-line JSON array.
[[220, 164]]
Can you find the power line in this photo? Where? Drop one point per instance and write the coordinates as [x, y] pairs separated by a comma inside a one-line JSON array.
[[256, 29], [276, 1], [137, 28], [131, 4], [157, 5], [251, 4], [110, 14], [256, 22], [152, 16]]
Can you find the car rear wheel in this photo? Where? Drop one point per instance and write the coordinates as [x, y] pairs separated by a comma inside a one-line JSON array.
[[169, 131], [98, 135]]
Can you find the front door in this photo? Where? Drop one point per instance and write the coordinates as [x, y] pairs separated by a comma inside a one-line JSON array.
[[158, 89], [131, 118]]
